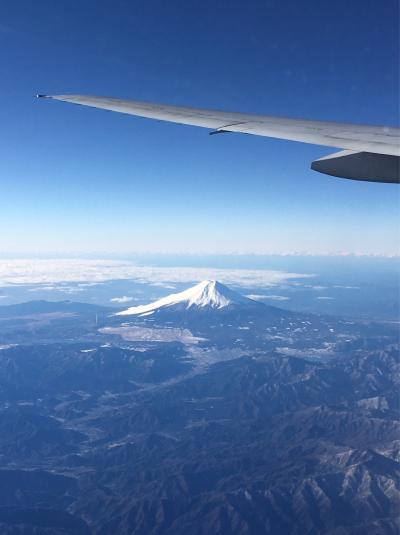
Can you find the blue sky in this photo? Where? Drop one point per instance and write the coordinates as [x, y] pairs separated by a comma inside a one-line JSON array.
[[74, 179]]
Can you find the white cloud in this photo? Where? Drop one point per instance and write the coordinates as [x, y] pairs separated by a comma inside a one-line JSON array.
[[163, 285], [123, 299], [318, 288], [48, 272], [42, 288], [258, 297], [347, 287], [326, 298], [55, 288]]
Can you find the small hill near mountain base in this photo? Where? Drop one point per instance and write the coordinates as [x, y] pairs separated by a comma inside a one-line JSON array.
[[49, 307]]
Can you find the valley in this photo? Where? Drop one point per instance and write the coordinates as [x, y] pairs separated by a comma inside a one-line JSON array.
[[253, 418]]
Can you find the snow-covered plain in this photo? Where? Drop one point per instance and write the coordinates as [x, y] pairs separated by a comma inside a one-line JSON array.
[[132, 333]]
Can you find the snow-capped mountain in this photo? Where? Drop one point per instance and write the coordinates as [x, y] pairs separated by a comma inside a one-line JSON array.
[[208, 294]]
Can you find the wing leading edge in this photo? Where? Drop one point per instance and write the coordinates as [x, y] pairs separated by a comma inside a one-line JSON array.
[[365, 145]]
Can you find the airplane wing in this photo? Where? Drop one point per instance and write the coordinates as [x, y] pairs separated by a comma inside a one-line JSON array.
[[372, 153]]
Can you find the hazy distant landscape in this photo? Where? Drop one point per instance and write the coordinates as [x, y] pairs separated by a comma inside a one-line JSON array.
[[354, 286]]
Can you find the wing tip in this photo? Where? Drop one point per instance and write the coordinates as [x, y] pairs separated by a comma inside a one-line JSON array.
[[39, 95]]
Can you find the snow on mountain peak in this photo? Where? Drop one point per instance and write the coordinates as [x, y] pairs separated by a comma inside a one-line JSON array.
[[205, 294]]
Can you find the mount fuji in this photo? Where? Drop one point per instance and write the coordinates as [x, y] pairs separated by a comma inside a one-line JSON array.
[[208, 295]]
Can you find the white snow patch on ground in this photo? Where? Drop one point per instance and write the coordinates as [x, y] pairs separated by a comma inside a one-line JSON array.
[[207, 356], [258, 297], [123, 299], [134, 333]]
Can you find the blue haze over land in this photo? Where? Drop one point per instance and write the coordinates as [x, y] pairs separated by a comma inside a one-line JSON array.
[[356, 287]]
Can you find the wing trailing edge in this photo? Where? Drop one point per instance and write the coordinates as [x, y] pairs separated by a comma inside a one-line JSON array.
[[372, 153]]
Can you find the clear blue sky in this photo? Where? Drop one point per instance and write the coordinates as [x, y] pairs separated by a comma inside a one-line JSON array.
[[78, 179]]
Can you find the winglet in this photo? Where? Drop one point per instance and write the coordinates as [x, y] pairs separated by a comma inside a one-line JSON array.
[[42, 96]]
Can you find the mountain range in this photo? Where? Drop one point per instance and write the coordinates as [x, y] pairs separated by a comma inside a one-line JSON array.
[[203, 412]]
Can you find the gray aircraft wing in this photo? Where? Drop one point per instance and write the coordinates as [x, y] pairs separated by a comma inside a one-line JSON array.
[[370, 153]]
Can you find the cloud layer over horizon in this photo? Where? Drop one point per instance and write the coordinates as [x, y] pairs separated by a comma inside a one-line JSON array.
[[27, 271]]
